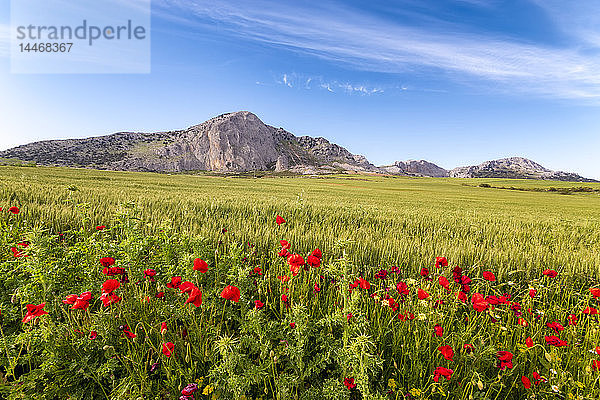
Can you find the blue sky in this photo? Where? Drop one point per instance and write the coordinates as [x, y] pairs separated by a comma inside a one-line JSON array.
[[456, 82]]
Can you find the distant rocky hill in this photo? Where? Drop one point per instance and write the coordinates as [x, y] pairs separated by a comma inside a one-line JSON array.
[[234, 142], [241, 142], [514, 167], [415, 168]]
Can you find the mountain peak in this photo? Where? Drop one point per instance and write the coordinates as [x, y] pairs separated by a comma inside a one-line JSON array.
[[416, 168], [514, 167], [231, 142]]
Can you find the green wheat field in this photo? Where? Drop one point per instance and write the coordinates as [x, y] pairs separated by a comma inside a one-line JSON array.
[[346, 328]]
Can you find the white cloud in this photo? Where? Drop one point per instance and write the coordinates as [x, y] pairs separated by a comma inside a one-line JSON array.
[[295, 80], [346, 36]]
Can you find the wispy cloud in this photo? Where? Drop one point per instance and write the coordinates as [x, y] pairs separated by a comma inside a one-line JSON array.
[[302, 81], [367, 42]]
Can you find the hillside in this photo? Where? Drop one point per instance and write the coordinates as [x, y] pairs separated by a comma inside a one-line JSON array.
[[234, 142]]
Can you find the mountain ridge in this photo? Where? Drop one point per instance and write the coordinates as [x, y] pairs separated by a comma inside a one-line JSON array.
[[240, 142]]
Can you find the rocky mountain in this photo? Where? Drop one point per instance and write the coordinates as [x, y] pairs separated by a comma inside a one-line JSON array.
[[514, 167], [233, 142], [415, 168], [240, 142]]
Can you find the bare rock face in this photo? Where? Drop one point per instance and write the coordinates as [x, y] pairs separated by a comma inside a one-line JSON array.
[[516, 168], [416, 168], [233, 142]]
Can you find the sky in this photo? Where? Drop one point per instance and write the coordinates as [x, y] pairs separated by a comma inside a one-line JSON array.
[[454, 82]]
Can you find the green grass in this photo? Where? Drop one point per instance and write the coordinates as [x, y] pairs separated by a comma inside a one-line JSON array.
[[374, 220]]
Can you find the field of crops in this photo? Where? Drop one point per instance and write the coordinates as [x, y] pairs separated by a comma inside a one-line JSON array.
[[383, 287]]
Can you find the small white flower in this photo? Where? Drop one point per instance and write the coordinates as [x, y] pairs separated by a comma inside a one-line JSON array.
[[553, 371], [555, 388]]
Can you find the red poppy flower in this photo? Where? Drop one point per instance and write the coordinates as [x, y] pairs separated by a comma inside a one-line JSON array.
[[107, 261], [479, 303], [438, 330], [292, 325], [555, 341], [590, 311], [489, 276], [109, 298], [444, 282], [100, 227], [257, 270], [160, 295], [529, 342], [279, 220], [317, 253], [349, 383], [70, 299], [112, 271], [364, 284], [441, 262], [462, 296], [163, 328], [572, 319], [285, 244], [556, 326], [522, 322], [175, 282], [231, 293], [313, 261], [595, 292], [538, 378], [283, 278], [526, 382], [402, 288], [295, 260], [441, 371], [505, 358], [422, 295], [149, 273], [550, 273], [447, 352], [349, 317], [596, 365], [424, 272], [258, 304], [195, 297], [14, 210], [82, 302], [200, 265], [34, 311], [167, 349], [532, 293], [17, 253], [110, 285], [468, 348], [93, 335], [23, 244]]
